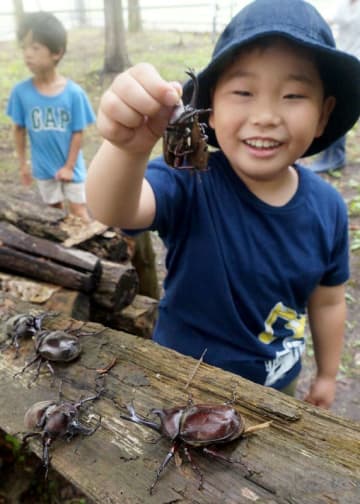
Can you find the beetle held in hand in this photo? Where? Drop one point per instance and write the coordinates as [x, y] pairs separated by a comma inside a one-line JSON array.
[[195, 426], [184, 140]]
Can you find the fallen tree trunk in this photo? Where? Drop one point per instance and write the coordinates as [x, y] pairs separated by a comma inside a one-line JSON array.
[[306, 456]]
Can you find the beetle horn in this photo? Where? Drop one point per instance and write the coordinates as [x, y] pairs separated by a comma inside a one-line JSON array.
[[195, 93], [134, 417]]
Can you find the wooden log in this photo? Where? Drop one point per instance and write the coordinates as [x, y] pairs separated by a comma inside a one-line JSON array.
[[24, 209], [306, 456], [117, 287], [138, 318], [111, 245], [44, 269], [79, 259]]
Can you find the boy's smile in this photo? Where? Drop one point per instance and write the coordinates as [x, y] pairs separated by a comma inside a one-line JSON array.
[[268, 106]]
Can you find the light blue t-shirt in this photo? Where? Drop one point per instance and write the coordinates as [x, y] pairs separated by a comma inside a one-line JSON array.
[[50, 122]]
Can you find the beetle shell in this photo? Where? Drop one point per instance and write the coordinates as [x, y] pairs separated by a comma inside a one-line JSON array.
[[36, 413], [57, 345], [201, 424]]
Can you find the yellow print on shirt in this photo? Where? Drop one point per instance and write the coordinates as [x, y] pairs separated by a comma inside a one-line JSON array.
[[293, 321], [292, 346]]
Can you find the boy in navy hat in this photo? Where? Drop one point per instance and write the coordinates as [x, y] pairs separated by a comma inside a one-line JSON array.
[[256, 242]]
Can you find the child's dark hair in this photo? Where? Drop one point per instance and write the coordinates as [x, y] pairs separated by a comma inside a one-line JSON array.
[[46, 29]]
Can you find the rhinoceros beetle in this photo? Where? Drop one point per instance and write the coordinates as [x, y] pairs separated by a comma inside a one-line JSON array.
[[57, 420], [22, 326], [195, 426], [55, 346], [184, 139]]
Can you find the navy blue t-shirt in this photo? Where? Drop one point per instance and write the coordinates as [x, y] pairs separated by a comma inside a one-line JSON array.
[[240, 271]]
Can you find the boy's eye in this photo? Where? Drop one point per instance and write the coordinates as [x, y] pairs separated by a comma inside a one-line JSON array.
[[294, 96], [242, 92]]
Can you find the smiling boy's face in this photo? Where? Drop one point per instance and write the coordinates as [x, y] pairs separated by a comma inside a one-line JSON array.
[[267, 108]]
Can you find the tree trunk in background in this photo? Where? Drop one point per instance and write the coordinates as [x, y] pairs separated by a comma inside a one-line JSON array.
[[134, 16], [18, 12], [80, 12], [116, 57]]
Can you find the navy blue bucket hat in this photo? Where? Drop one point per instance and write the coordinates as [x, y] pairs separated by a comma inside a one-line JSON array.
[[300, 22]]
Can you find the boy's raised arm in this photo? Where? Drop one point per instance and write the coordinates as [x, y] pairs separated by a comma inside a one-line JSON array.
[[132, 116]]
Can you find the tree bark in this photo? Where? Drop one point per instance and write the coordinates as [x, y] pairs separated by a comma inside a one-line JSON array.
[[134, 16], [18, 12]]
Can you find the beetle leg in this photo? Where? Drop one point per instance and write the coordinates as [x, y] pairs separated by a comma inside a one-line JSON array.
[[216, 454], [194, 467], [221, 456], [164, 463], [46, 459], [36, 358]]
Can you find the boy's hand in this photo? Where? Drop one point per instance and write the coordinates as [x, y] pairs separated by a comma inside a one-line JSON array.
[[65, 174], [135, 110], [322, 392], [25, 174]]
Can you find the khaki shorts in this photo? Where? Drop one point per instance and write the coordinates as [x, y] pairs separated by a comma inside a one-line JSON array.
[[55, 191]]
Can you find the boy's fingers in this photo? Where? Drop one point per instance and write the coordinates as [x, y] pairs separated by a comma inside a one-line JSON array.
[[164, 92]]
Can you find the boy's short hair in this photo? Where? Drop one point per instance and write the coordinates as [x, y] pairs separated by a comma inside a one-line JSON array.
[[300, 23], [46, 29]]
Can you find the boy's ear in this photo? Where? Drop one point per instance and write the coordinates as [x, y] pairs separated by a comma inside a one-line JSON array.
[[57, 56], [328, 107]]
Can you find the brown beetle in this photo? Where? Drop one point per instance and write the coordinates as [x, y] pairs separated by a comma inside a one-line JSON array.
[[195, 426], [184, 140], [57, 420]]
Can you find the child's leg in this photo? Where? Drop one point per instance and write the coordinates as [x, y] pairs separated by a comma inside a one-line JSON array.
[[75, 194], [51, 192], [290, 389], [80, 210]]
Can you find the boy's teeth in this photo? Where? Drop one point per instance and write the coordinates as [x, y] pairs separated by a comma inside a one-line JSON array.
[[262, 144]]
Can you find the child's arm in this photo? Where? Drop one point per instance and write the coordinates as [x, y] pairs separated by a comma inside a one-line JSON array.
[[66, 172], [20, 149], [132, 116], [327, 314]]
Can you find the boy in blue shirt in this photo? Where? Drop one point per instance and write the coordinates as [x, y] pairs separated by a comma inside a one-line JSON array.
[[256, 241], [54, 111]]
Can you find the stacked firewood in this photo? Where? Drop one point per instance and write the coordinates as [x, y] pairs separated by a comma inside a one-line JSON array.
[[84, 271]]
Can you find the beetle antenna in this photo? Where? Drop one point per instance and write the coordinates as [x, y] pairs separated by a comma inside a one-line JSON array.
[[195, 369]]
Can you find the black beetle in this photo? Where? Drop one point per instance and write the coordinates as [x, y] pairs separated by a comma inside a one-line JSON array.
[[195, 426], [184, 140], [23, 325], [57, 420]]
